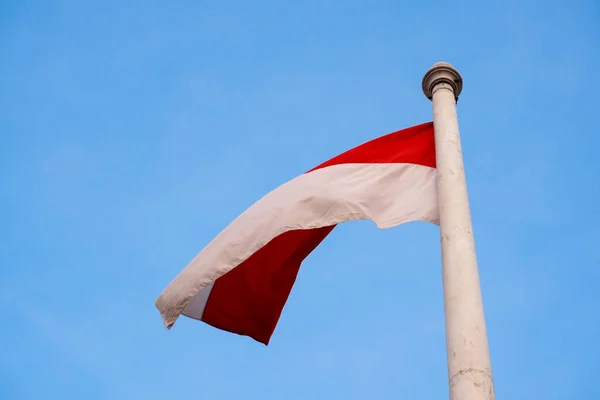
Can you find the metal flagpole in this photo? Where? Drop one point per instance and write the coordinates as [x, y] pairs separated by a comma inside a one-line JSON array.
[[469, 367]]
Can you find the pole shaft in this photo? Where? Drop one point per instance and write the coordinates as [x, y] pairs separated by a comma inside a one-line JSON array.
[[469, 367]]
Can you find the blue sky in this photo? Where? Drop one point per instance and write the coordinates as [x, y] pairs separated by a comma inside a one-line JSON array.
[[132, 132]]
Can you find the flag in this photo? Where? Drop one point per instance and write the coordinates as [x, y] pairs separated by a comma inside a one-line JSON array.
[[241, 280]]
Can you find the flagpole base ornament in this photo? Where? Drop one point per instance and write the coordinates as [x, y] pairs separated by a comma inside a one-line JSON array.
[[445, 73]]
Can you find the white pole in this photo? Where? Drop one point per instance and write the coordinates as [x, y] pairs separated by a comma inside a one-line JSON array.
[[469, 367]]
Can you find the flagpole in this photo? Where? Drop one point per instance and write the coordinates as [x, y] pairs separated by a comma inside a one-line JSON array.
[[469, 366]]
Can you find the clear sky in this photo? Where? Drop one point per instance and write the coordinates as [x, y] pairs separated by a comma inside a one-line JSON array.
[[132, 132]]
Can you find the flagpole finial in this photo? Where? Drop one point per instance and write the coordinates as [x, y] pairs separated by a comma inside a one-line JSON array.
[[442, 72]]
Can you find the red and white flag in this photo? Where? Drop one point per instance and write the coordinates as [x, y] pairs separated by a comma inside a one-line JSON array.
[[241, 280]]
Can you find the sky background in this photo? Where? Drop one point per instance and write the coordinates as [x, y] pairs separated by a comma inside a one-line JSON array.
[[132, 132]]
